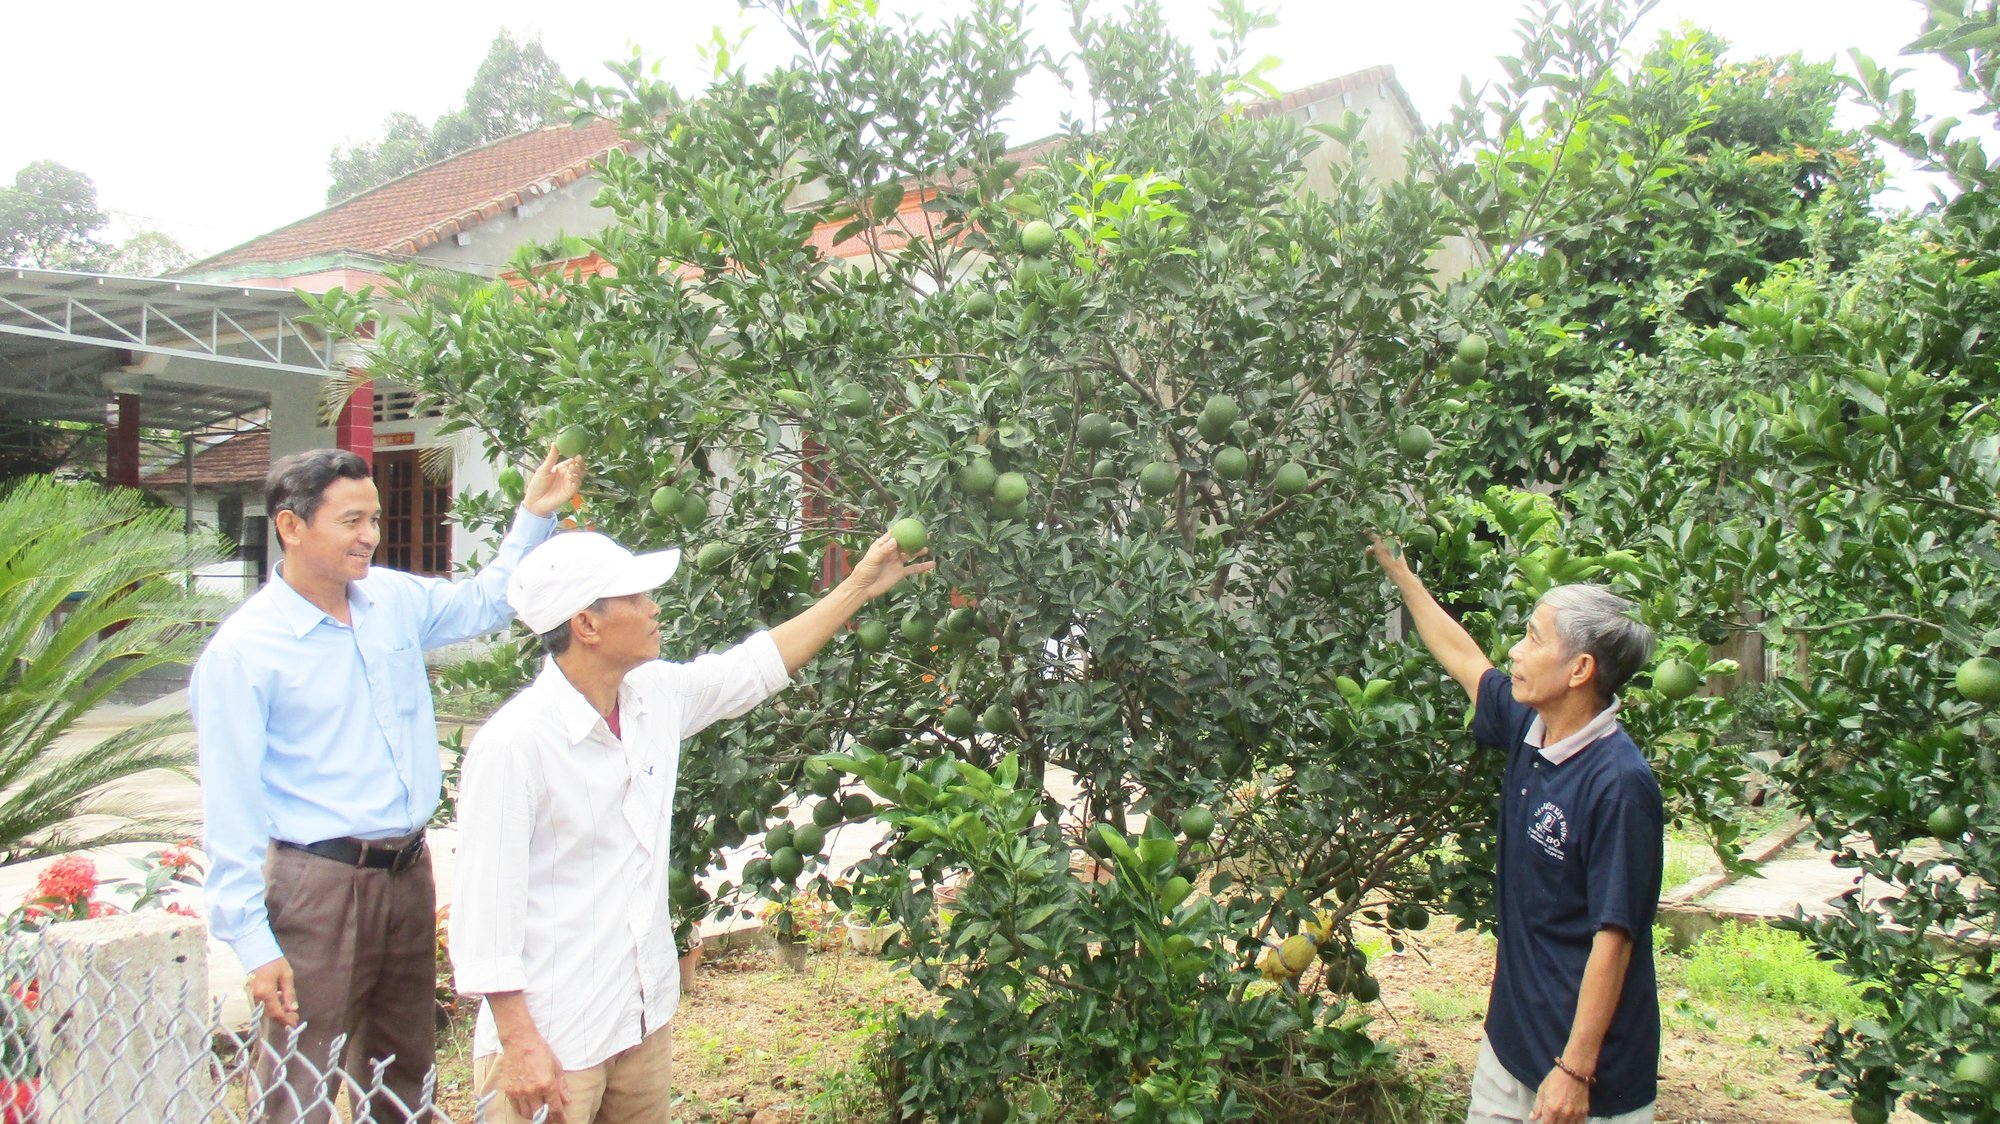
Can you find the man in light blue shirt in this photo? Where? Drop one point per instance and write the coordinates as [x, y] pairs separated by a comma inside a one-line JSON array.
[[319, 766]]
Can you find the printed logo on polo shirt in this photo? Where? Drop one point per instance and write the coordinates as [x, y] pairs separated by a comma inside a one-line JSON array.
[[1549, 829]]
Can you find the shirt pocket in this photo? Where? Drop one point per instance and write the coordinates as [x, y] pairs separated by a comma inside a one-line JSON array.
[[408, 680]]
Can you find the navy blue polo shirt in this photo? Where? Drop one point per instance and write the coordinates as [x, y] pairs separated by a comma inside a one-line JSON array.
[[1580, 849]]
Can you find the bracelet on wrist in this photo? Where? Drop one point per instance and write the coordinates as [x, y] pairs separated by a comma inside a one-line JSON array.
[[1564, 1066]]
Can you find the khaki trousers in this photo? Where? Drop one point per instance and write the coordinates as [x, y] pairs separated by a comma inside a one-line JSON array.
[[1498, 1098], [363, 949], [632, 1086]]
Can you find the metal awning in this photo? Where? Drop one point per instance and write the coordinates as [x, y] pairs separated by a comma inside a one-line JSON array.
[[65, 338]]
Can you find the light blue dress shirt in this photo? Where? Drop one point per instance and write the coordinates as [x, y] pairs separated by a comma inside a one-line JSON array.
[[310, 729]]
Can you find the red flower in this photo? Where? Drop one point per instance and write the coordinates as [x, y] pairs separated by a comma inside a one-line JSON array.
[[183, 911], [176, 858], [71, 878], [104, 909]]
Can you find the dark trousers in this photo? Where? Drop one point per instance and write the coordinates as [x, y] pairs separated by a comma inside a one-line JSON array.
[[363, 949]]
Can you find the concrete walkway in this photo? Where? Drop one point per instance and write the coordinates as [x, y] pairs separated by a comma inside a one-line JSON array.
[[1794, 877]]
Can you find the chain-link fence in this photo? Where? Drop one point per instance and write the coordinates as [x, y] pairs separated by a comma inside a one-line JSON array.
[[111, 1021]]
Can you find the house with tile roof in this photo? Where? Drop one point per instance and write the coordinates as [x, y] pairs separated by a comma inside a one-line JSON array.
[[471, 213]]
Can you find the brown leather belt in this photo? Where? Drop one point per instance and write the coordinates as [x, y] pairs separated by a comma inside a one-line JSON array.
[[394, 856]]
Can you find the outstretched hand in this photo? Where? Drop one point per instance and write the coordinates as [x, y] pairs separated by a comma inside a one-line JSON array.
[[553, 484], [884, 565], [1387, 555]]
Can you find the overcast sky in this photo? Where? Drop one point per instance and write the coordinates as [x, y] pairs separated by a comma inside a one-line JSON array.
[[213, 121]]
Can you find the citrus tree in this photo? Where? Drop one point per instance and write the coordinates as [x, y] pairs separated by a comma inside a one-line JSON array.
[[1141, 394]]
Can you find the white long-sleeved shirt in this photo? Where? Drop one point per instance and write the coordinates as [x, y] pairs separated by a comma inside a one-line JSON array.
[[564, 834]]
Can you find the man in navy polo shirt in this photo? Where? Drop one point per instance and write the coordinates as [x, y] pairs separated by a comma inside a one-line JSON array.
[[1573, 1022]]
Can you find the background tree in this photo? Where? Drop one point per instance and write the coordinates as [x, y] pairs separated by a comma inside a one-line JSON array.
[[516, 87], [49, 219]]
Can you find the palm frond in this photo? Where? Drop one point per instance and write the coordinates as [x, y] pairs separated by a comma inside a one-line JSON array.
[[95, 590]]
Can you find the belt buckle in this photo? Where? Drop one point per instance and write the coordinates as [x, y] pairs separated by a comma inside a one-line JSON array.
[[406, 857]]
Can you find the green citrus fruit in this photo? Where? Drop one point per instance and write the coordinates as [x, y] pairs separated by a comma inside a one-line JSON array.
[[916, 628], [797, 399], [1416, 918], [1231, 463], [1093, 431], [1030, 271], [1947, 822], [857, 806], [1868, 1110], [1289, 479], [1982, 1070], [757, 872], [998, 719], [1365, 988], [1104, 469], [780, 835], [693, 512], [713, 556], [787, 864], [573, 441], [1978, 679], [1038, 238], [1420, 539], [826, 813], [961, 621], [958, 721], [728, 832], [872, 635], [977, 478], [1010, 489], [1197, 823], [1414, 441], [667, 501], [855, 401], [1676, 679], [680, 887], [993, 1109], [1472, 349], [1464, 373], [807, 839], [825, 782], [909, 535], [1158, 478], [750, 820], [510, 481], [980, 304]]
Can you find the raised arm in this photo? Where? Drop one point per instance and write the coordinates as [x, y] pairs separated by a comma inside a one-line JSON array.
[[1453, 647], [801, 638]]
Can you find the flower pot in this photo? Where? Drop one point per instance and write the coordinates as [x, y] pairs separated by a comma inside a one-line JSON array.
[[867, 938], [792, 954], [690, 960]]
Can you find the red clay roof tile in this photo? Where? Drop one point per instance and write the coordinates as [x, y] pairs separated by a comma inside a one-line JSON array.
[[407, 214]]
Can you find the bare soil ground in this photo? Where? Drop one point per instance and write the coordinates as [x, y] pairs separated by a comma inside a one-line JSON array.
[[759, 1043]]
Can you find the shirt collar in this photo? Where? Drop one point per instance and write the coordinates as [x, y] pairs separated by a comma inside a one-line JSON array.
[[579, 718], [1566, 748], [301, 615]]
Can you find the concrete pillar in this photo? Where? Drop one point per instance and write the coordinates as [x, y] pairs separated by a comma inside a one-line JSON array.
[[121, 458], [123, 1026]]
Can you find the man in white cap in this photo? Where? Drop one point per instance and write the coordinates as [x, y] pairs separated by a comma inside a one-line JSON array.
[[560, 914]]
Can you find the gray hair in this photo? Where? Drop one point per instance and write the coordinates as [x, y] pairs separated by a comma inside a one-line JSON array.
[[1592, 620], [556, 641]]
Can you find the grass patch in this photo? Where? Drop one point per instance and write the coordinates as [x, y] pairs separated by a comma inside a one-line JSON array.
[[1765, 965], [1459, 1006]]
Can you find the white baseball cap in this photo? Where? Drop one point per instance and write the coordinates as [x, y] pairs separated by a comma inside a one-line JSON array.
[[561, 577]]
